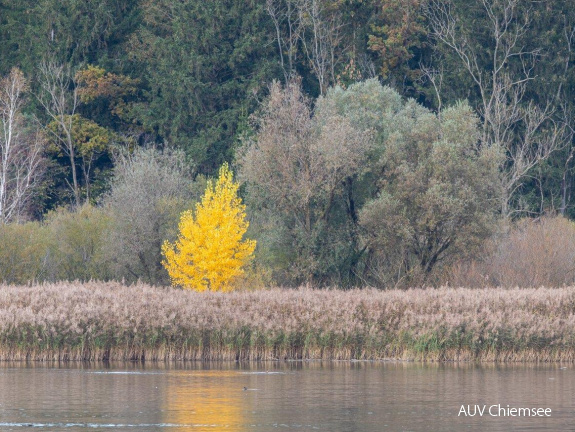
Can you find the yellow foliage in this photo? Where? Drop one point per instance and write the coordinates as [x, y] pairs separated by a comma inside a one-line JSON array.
[[209, 253]]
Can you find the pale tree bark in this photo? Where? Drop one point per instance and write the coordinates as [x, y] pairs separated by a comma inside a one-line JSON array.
[[288, 26], [435, 78], [59, 97], [524, 133], [569, 33], [321, 40], [307, 25], [20, 150]]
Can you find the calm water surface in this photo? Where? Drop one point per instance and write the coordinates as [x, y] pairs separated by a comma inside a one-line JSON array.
[[334, 397]]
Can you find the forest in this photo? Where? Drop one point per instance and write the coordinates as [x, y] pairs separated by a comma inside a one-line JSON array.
[[381, 143]]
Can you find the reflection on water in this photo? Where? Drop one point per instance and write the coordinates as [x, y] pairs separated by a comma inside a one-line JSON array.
[[210, 399], [328, 396]]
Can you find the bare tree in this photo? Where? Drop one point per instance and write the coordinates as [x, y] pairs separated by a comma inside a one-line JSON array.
[[313, 26], [524, 133], [435, 78], [59, 97], [20, 150], [324, 40], [288, 26], [569, 33]]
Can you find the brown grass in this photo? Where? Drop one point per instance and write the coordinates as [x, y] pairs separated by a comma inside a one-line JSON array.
[[110, 321]]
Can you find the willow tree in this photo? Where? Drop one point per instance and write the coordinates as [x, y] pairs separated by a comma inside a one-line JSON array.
[[209, 253], [438, 192], [296, 166]]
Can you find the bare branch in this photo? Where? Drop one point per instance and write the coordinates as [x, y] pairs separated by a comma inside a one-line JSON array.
[[435, 77], [20, 150], [524, 134], [309, 25], [59, 98]]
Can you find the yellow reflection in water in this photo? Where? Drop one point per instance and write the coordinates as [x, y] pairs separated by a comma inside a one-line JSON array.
[[204, 399]]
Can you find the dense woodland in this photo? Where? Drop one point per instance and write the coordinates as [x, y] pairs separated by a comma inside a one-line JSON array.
[[378, 142]]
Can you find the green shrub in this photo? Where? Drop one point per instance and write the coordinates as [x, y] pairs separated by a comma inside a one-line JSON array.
[[76, 244], [23, 252]]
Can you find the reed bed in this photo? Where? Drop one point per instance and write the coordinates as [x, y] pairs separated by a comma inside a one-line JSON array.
[[111, 321]]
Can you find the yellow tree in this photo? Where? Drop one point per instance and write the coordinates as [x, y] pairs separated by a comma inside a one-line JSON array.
[[209, 253]]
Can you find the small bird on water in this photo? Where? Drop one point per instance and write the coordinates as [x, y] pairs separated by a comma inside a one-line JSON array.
[[245, 388]]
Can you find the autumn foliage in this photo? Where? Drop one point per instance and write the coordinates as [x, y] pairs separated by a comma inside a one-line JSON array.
[[209, 253]]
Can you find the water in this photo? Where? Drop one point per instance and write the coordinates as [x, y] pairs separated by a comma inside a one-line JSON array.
[[302, 396]]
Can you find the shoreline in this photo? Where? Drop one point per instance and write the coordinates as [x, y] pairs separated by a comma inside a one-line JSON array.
[[113, 322], [42, 360]]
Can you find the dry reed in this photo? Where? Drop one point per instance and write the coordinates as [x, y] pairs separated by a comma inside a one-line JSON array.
[[110, 321]]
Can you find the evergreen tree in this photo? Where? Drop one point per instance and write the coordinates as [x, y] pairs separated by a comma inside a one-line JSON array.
[[203, 64]]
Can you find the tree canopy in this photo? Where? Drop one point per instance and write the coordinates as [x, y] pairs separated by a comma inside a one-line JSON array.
[[356, 126]]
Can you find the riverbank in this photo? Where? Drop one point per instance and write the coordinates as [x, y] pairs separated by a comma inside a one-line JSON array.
[[110, 321]]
